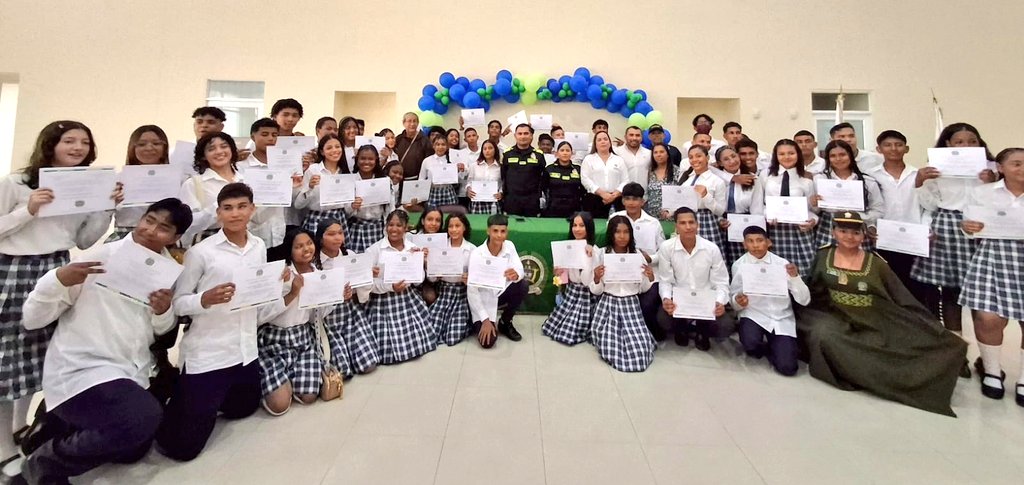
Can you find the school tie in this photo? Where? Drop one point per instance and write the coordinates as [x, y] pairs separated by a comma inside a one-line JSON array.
[[695, 176], [731, 206], [785, 185]]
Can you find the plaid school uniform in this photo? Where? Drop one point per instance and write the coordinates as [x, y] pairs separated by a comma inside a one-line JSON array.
[[483, 207], [352, 344], [620, 334], [400, 326], [290, 354], [708, 228], [22, 351], [449, 315], [442, 195], [951, 250], [362, 233], [314, 218], [570, 322], [994, 281], [794, 245]]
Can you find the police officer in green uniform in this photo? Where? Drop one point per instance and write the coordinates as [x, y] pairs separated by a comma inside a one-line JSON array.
[[523, 175], [565, 188]]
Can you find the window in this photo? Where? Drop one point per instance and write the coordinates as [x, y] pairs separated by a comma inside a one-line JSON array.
[[856, 111], [8, 111], [242, 102]]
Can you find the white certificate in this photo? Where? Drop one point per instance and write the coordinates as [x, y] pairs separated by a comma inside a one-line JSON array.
[[358, 269], [376, 141], [415, 189], [303, 143], [257, 285], [444, 174], [487, 271], [790, 209], [77, 190], [569, 254], [903, 237], [431, 241], [271, 187], [550, 158], [183, 156], [376, 191], [402, 266], [134, 272], [517, 119], [739, 222], [337, 189], [580, 142], [540, 122], [485, 190], [284, 157], [676, 196], [845, 195], [965, 162], [765, 279], [695, 304], [1001, 223], [322, 288], [473, 117], [146, 184], [446, 262], [646, 236], [623, 268]]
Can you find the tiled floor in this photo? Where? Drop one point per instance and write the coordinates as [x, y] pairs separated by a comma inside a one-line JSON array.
[[537, 412]]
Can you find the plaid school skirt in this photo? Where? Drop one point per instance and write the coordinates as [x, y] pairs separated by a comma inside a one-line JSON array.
[[22, 351], [824, 233], [995, 279], [353, 348], [708, 228], [119, 234], [362, 233], [400, 325], [314, 218], [290, 354], [951, 251], [569, 323], [793, 245], [620, 334], [441, 195], [449, 315], [483, 207]]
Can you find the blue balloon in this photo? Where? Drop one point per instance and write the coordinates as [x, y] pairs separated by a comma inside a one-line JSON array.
[[668, 137], [618, 97], [594, 92], [471, 100], [429, 90], [426, 103], [502, 87], [613, 108], [597, 103], [456, 92], [564, 79], [598, 80], [556, 99], [446, 79], [646, 142], [554, 86], [511, 98], [440, 108], [581, 96], [611, 87], [582, 72], [644, 107], [643, 95], [578, 84], [464, 81], [486, 105], [477, 84], [426, 130], [504, 74], [626, 111]]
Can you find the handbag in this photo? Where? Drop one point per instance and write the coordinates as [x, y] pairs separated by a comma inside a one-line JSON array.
[[332, 385]]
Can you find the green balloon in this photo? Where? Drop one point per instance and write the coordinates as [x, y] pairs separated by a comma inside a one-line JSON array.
[[604, 95], [638, 120], [516, 81], [444, 92], [481, 91], [487, 96], [565, 86], [631, 104], [561, 93], [490, 89], [445, 100], [437, 95]]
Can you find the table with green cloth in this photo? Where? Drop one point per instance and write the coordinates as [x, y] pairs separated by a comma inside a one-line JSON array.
[[532, 237]]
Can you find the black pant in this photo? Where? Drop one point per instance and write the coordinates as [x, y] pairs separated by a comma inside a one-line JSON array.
[[526, 205], [597, 208], [234, 392], [112, 422], [719, 328], [509, 303], [782, 349]]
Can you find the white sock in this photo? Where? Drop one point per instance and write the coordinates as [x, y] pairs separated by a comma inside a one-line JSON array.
[[990, 359]]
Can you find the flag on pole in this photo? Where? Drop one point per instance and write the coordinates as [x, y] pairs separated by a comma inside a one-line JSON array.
[[939, 124], [840, 98]]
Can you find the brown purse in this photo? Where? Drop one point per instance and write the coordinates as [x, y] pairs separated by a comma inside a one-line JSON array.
[[333, 385]]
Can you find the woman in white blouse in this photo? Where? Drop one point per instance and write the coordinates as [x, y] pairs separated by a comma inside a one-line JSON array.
[[738, 198], [604, 174], [712, 193]]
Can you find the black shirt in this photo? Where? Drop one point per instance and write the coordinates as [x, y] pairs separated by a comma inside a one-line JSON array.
[[565, 190], [523, 172]]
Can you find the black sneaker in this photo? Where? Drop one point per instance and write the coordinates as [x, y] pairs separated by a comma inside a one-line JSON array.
[[702, 342], [507, 329], [682, 338]]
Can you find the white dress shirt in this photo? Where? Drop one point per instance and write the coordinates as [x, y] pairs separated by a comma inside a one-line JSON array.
[[772, 313], [466, 250], [383, 246], [818, 165], [647, 231], [715, 198], [23, 234], [293, 316], [771, 185], [615, 289], [948, 193], [868, 161], [481, 170], [327, 262], [308, 198], [703, 269], [995, 196], [100, 336], [637, 164], [874, 209], [217, 338], [268, 223], [200, 193], [899, 194], [741, 198], [483, 302], [611, 175]]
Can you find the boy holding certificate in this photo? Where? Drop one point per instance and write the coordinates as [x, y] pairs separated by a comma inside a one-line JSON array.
[[95, 384], [765, 312], [219, 372], [484, 303], [896, 181]]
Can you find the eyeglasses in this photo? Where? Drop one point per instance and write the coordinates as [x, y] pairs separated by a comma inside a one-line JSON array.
[[148, 144]]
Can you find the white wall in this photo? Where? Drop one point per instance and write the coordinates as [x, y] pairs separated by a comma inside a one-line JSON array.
[[116, 65]]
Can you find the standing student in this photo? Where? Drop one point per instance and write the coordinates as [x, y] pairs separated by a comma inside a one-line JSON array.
[[738, 199], [733, 134], [711, 190], [637, 158], [546, 144], [809, 148], [268, 223], [206, 120], [216, 167], [326, 126], [842, 166], [287, 113], [703, 124], [570, 321], [656, 133], [661, 173], [411, 146], [441, 194], [487, 167], [329, 152], [473, 143], [749, 155], [366, 222], [454, 139], [449, 315], [604, 174], [263, 133], [396, 174], [147, 145], [896, 181], [396, 313], [993, 285], [524, 175], [361, 124], [219, 372], [494, 133], [867, 160], [767, 326], [93, 383], [348, 131], [387, 154], [618, 330], [565, 185], [701, 140], [786, 177], [484, 303]]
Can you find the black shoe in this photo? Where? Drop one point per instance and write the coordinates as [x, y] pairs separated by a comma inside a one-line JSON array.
[[682, 339], [992, 392], [507, 329], [1020, 395], [703, 343]]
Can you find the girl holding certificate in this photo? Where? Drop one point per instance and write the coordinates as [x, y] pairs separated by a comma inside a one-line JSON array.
[[431, 222], [738, 197], [348, 129], [366, 223], [397, 314], [786, 177], [352, 344], [842, 165], [569, 323], [710, 189], [329, 153], [215, 165], [29, 247], [487, 168], [619, 332], [449, 315], [994, 282], [147, 145], [440, 194], [662, 173]]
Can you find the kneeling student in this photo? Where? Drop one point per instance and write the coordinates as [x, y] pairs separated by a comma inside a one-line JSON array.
[[484, 303], [767, 317], [95, 383]]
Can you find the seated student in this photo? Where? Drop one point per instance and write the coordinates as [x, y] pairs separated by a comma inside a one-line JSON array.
[[569, 322], [268, 223], [441, 194], [431, 222], [604, 174], [329, 162], [219, 372], [841, 166], [565, 185], [449, 315], [618, 330], [813, 162], [656, 133], [396, 313], [690, 261], [648, 236], [289, 353], [326, 126], [485, 303], [216, 167], [767, 326], [287, 113], [486, 168], [867, 160], [366, 222], [94, 384]]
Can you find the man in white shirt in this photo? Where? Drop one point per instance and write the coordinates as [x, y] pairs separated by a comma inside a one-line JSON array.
[[767, 318], [897, 182], [485, 303], [98, 366], [691, 262], [268, 223], [637, 158], [813, 162], [219, 372], [866, 160], [648, 235]]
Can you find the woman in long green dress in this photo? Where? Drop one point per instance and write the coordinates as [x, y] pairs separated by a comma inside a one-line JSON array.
[[864, 330]]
